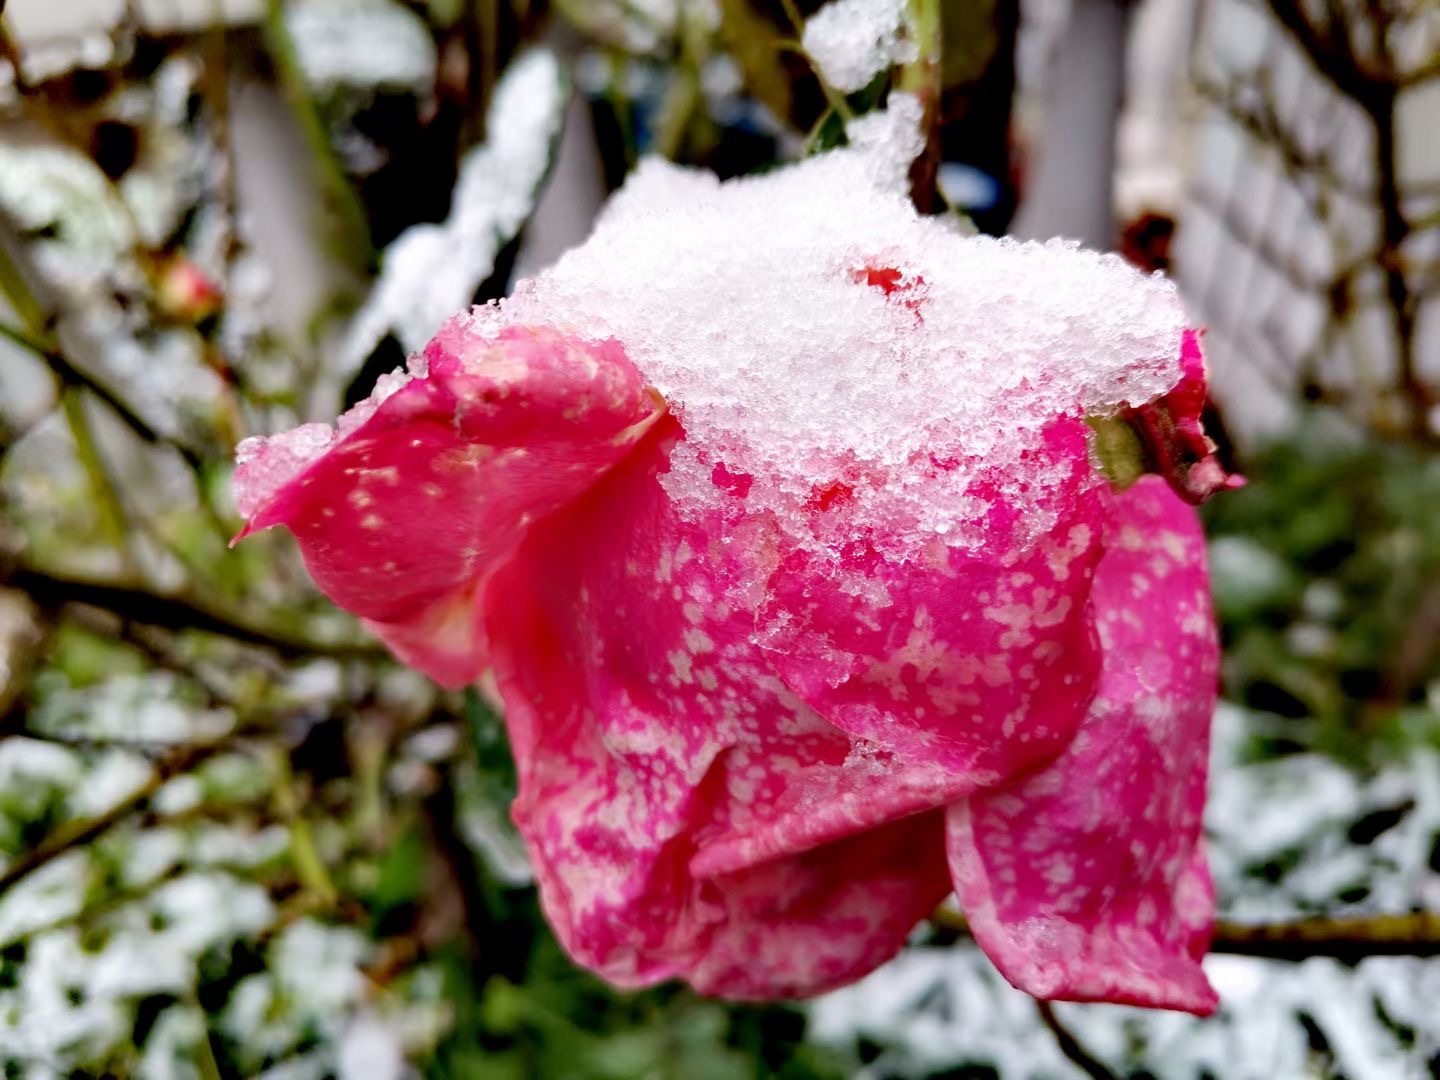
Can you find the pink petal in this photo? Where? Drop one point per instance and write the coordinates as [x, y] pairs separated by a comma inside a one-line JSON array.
[[1087, 881], [980, 661], [687, 815], [1173, 435], [798, 926], [429, 485]]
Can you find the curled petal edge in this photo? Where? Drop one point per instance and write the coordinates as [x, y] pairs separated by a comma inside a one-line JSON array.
[[404, 510]]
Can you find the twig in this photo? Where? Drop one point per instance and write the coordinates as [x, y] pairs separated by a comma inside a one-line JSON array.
[[812, 139], [304, 855], [112, 900], [684, 96], [1071, 1047], [1261, 122], [1263, 246], [833, 97], [176, 613], [37, 335], [205, 1053], [1348, 939], [10, 53], [76, 834], [1329, 53], [151, 749], [482, 36], [111, 513]]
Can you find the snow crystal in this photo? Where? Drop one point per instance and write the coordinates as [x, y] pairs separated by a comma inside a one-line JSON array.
[[1290, 816], [285, 456], [370, 1050], [815, 334], [50, 895], [432, 271], [32, 760], [60, 191], [69, 996], [321, 964], [148, 708], [368, 44], [110, 779], [852, 41]]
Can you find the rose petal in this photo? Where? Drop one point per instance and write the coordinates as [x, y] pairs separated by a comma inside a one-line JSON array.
[[429, 486], [1087, 881], [798, 926], [666, 774], [1172, 434], [977, 660]]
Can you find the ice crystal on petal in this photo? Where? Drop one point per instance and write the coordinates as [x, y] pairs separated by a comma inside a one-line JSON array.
[[268, 462], [282, 457]]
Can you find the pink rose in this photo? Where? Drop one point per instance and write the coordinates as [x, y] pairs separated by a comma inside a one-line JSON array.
[[772, 511]]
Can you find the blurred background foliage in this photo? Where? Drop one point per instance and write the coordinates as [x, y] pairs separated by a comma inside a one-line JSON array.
[[237, 840], [1327, 584]]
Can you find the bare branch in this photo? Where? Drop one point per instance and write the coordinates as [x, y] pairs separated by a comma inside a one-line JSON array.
[[77, 834], [1328, 50], [38, 336], [139, 605], [1348, 939], [1071, 1047]]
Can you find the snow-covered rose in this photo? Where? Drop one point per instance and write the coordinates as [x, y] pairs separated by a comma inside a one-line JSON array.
[[774, 513]]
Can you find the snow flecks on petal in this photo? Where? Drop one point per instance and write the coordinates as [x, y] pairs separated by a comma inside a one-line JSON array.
[[1087, 881], [680, 804], [979, 661], [823, 918], [403, 512]]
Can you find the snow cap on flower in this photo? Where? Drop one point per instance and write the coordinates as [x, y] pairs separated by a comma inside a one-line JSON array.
[[808, 326], [773, 511]]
